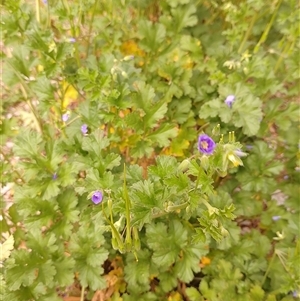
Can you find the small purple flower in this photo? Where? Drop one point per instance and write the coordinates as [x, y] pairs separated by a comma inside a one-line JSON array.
[[286, 177], [97, 197], [65, 117], [84, 129], [249, 146], [54, 176], [205, 144], [295, 294], [230, 100], [72, 40], [45, 2], [276, 218]]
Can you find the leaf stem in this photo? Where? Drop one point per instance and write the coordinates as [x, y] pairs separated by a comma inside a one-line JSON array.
[[254, 18], [268, 269], [37, 8], [267, 29], [82, 293], [285, 51], [127, 208], [90, 28]]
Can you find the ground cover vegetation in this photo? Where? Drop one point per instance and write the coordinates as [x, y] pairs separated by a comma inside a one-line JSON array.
[[150, 150]]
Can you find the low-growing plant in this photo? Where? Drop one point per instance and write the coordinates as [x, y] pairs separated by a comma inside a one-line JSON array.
[[151, 149]]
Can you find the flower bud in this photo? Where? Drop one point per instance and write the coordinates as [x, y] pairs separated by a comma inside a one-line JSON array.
[[128, 58], [184, 165], [124, 74], [109, 205], [216, 130], [224, 232], [204, 162], [235, 160]]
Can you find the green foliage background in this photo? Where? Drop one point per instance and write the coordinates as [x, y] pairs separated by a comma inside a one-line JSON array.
[[147, 77]]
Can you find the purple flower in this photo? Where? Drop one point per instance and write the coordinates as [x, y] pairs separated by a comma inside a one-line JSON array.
[[205, 144], [276, 218], [54, 176], [45, 2], [72, 40], [230, 100], [84, 129], [97, 197], [65, 117]]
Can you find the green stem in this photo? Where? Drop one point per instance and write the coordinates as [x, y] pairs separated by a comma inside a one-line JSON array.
[[73, 29], [37, 120], [160, 214], [198, 178], [127, 208], [254, 18], [268, 269], [90, 28], [285, 51], [267, 29]]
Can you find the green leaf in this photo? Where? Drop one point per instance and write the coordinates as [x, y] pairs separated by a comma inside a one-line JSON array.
[[179, 110], [167, 281], [142, 149], [137, 273], [188, 262], [144, 200], [184, 17], [46, 272], [257, 293], [95, 143], [43, 89], [175, 3], [193, 294], [151, 34], [165, 166], [246, 111], [163, 135], [166, 243], [90, 276], [64, 267], [111, 160], [51, 189], [66, 213], [155, 114], [16, 275], [28, 144]]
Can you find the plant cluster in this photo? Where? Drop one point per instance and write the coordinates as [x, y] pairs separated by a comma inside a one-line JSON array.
[[152, 150]]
